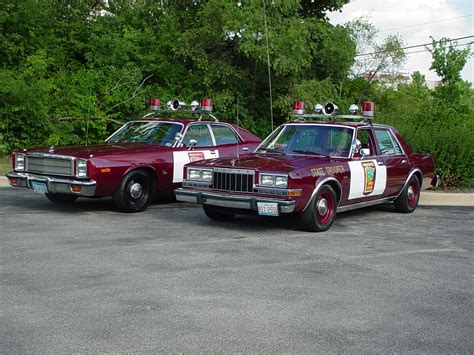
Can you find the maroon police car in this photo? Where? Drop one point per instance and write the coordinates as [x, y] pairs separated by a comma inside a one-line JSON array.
[[142, 158], [313, 169]]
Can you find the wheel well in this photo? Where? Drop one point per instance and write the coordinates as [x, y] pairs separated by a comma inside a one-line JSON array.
[[337, 189], [419, 176]]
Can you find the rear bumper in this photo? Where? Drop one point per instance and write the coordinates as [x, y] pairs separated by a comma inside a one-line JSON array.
[[232, 201], [55, 185]]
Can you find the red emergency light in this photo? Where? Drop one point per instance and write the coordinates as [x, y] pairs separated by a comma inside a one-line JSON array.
[[154, 104], [368, 109], [298, 107], [206, 104]]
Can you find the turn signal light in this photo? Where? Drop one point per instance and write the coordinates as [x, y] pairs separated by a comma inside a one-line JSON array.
[[105, 170], [76, 188], [294, 193]]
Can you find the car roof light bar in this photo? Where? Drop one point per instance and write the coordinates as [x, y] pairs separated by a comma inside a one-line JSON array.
[[328, 112]]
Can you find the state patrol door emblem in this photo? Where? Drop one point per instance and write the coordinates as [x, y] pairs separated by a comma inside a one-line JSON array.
[[369, 176]]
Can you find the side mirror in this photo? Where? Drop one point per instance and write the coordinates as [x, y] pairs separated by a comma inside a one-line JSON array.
[[192, 144], [364, 152], [178, 137], [356, 146]]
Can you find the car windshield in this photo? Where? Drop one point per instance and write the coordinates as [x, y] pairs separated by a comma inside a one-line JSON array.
[[162, 133], [325, 140]]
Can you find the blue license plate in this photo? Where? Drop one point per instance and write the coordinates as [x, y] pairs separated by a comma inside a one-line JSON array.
[[39, 187]]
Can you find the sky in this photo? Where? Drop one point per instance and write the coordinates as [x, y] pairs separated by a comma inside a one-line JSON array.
[[389, 15]]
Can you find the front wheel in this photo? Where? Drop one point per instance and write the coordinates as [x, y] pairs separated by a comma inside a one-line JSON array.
[[134, 193], [217, 213], [61, 199], [408, 199], [320, 214]]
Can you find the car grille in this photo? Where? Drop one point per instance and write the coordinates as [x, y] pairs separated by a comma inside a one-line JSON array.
[[233, 180], [53, 165]]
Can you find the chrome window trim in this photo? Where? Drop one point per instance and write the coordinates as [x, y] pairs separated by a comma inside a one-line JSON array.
[[180, 143], [312, 124], [150, 121], [237, 135], [392, 139], [395, 139]]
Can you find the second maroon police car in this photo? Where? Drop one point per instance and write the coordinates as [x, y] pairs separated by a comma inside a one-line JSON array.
[[313, 169], [140, 159]]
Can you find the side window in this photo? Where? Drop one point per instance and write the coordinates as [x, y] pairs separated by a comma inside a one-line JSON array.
[[200, 133], [386, 143], [365, 138], [224, 135]]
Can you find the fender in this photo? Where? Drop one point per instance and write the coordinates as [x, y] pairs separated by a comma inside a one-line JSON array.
[[320, 184]]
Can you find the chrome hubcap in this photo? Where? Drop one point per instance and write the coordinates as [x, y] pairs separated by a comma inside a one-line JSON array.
[[410, 193], [322, 206], [136, 190]]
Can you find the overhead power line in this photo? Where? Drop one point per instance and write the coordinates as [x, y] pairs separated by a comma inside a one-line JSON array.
[[426, 50], [426, 23], [418, 45]]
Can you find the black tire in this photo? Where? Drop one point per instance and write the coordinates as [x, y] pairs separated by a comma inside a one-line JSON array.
[[408, 199], [218, 213], [61, 199], [320, 219], [134, 193]]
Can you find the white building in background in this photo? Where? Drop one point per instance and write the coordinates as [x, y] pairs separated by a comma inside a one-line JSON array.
[[392, 80]]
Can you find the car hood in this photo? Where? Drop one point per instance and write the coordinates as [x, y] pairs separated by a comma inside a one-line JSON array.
[[85, 151], [266, 162]]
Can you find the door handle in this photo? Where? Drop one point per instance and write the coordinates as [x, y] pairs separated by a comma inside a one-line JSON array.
[[404, 161], [245, 149], [380, 163]]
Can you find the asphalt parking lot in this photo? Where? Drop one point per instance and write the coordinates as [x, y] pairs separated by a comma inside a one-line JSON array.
[[86, 278]]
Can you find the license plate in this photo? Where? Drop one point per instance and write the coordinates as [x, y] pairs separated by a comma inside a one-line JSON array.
[[267, 208], [39, 187]]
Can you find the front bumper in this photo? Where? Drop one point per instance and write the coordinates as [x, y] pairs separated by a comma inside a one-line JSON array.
[[55, 185], [231, 201]]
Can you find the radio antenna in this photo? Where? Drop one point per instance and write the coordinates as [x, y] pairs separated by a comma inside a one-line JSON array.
[[268, 62], [237, 125], [88, 116]]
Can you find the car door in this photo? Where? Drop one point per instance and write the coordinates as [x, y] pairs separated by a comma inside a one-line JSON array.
[[185, 153], [394, 158], [228, 142], [368, 179]]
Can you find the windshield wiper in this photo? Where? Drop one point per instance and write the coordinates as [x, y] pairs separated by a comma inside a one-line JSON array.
[[269, 150], [302, 151]]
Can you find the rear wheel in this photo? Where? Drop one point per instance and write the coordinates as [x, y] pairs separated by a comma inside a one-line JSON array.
[[218, 213], [134, 193], [61, 199], [320, 214], [408, 199]]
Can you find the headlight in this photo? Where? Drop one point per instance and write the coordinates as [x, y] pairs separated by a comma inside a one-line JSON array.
[[273, 180], [19, 162], [199, 174], [281, 181], [81, 168]]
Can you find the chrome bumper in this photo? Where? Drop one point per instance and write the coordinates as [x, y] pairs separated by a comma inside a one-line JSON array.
[[55, 185], [231, 201]]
